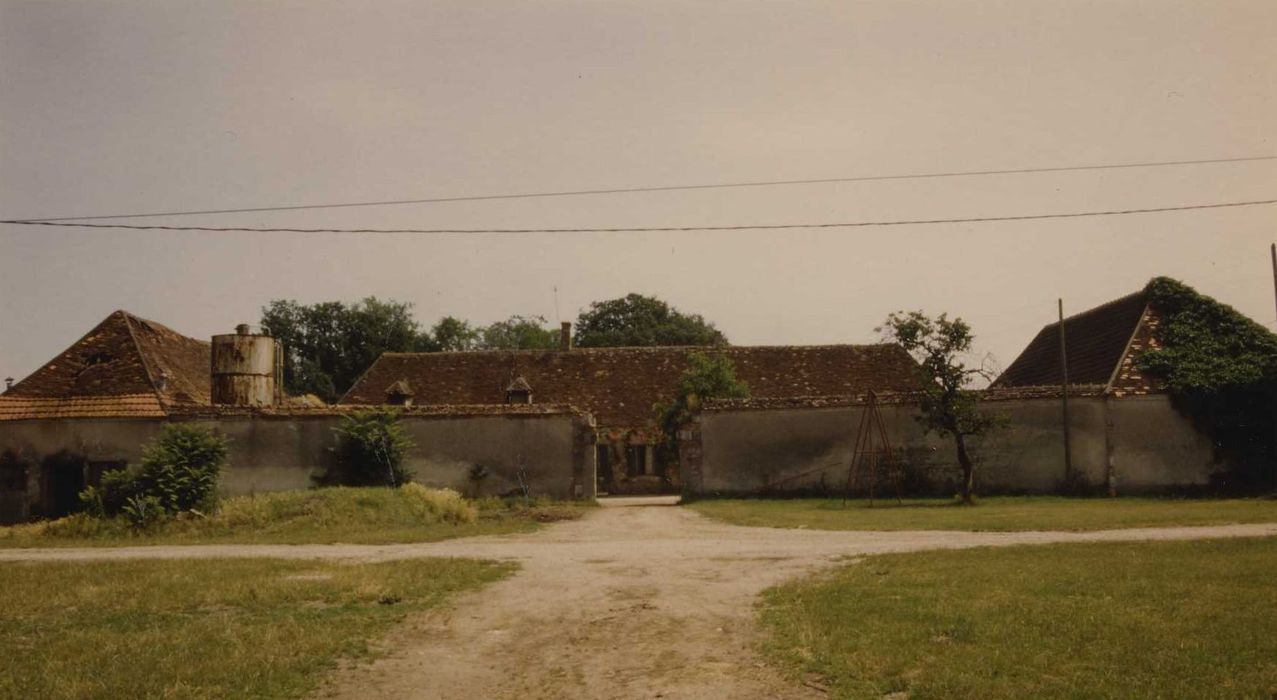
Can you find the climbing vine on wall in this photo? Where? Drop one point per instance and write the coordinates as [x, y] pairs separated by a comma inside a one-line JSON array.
[[1221, 369]]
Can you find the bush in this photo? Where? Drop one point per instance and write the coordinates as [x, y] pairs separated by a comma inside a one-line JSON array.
[[439, 505], [371, 447], [178, 472]]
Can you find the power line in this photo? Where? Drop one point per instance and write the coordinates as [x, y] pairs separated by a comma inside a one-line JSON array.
[[642, 229], [669, 188]]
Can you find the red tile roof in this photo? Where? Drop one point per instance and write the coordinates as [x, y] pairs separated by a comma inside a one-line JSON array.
[[620, 386], [1096, 342], [122, 358], [121, 406]]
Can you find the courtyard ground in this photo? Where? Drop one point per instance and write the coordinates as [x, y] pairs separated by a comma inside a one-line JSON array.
[[633, 601]]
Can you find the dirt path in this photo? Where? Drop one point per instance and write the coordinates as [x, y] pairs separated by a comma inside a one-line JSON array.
[[630, 602]]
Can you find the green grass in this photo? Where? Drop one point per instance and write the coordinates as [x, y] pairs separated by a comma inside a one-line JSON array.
[[319, 516], [251, 628], [1137, 620], [1001, 514]]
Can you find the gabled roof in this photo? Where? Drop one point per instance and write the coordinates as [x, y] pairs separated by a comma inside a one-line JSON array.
[[519, 384], [399, 388], [1096, 343], [620, 386], [123, 358]]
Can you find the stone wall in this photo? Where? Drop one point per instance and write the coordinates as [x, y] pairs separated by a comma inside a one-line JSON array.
[[280, 451], [1139, 444]]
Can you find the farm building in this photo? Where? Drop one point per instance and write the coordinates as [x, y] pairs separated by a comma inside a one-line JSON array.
[[620, 388], [93, 407]]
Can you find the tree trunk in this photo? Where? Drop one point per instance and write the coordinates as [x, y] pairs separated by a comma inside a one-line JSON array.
[[968, 469]]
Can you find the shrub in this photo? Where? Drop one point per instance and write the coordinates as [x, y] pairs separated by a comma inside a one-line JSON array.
[[437, 505], [178, 472], [371, 447]]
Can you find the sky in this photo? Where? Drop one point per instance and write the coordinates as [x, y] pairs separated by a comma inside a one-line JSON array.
[[130, 107]]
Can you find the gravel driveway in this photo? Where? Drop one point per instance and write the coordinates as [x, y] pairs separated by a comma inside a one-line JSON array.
[[636, 600]]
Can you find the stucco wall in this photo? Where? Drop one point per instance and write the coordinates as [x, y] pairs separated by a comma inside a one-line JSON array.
[[1152, 448], [554, 450]]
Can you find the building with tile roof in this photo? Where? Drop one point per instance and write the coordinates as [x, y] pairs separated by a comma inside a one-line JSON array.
[[125, 367], [620, 387], [1102, 347]]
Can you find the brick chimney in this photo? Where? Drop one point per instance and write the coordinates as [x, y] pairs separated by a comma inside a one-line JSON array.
[[565, 336]]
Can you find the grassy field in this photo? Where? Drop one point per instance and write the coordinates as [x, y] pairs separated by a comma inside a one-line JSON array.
[[1138, 620], [205, 629], [319, 516], [990, 514]]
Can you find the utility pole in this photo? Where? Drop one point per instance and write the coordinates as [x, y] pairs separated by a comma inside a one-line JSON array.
[[1064, 396], [1273, 250]]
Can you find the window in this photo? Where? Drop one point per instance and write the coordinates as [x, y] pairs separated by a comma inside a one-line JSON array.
[[635, 460]]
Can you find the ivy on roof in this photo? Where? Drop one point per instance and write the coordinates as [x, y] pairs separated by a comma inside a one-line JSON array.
[[1205, 346]]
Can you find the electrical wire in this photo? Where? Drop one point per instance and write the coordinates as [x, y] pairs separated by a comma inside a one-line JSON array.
[[644, 229], [669, 188]]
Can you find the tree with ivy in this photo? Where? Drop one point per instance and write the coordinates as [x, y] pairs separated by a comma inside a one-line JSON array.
[[948, 407], [706, 377], [371, 448], [1220, 368]]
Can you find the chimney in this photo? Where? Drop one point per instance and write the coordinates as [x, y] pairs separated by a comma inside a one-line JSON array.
[[565, 336], [241, 329], [8, 383]]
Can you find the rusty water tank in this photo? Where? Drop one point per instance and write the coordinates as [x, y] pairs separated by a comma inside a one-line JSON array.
[[246, 369]]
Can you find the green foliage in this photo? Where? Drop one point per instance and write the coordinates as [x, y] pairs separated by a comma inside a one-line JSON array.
[[520, 333], [410, 513], [371, 447], [636, 320], [706, 377], [452, 334], [329, 344], [178, 472], [1221, 369], [947, 406], [1206, 346]]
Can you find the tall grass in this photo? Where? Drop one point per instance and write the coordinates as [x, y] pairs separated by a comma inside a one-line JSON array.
[[373, 515]]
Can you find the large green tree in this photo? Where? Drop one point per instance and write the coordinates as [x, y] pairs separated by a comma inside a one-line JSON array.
[[637, 320], [519, 333], [329, 344], [452, 334], [947, 406]]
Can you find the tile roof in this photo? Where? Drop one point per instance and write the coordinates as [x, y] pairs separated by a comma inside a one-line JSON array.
[[120, 406], [1096, 342], [620, 386], [123, 357]]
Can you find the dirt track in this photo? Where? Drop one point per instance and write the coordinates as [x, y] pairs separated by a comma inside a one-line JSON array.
[[630, 602]]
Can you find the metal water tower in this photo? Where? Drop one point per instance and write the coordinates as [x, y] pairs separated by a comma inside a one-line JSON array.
[[247, 369]]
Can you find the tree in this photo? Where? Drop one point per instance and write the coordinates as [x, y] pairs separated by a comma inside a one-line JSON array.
[[1220, 368], [948, 408], [329, 344], [519, 333], [371, 448], [637, 320], [706, 377], [452, 334]]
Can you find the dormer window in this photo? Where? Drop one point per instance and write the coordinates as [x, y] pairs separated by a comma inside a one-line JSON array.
[[519, 391], [399, 393]]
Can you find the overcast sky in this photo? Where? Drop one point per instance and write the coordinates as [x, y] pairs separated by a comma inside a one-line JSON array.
[[122, 107]]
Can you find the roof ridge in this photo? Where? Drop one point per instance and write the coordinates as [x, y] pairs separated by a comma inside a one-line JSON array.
[[631, 348], [146, 361]]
